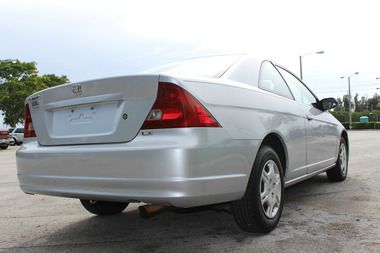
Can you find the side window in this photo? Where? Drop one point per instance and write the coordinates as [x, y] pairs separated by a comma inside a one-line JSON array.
[[19, 130], [271, 80], [300, 92]]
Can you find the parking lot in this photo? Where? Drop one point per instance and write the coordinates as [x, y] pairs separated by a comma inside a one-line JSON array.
[[318, 216]]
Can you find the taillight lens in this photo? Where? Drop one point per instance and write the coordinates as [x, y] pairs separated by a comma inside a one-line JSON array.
[[28, 124], [4, 133], [177, 108]]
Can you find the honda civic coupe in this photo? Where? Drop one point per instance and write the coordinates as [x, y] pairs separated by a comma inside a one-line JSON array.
[[231, 129]]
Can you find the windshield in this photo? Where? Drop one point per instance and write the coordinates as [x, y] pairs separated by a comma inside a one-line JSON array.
[[213, 67]]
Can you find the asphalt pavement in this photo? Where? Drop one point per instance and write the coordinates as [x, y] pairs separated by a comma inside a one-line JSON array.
[[318, 216]]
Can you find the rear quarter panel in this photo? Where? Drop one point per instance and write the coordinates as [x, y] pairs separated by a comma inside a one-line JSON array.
[[248, 113]]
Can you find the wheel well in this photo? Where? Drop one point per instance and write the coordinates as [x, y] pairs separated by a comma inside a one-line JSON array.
[[274, 140], [345, 136]]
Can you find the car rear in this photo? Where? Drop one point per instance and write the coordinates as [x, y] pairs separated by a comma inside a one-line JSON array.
[[134, 138], [4, 139]]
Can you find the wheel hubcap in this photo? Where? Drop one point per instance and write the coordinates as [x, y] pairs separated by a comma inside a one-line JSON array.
[[343, 159], [270, 189]]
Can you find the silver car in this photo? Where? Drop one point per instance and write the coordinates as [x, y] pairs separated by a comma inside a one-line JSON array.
[[225, 129]]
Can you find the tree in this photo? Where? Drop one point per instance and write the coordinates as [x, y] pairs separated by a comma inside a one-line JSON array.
[[339, 107], [377, 103], [19, 80], [372, 103], [363, 103], [345, 103], [356, 101]]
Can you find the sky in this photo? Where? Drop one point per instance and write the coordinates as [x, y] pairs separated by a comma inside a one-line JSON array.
[[92, 39]]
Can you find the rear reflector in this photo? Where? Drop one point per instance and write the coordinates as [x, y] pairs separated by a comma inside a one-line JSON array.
[[28, 124], [177, 108]]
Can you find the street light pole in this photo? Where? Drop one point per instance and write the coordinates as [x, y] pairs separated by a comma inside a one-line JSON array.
[[349, 99], [377, 115], [300, 59], [349, 103]]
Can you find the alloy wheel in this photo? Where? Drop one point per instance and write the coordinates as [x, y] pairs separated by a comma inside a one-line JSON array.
[[270, 189], [343, 159]]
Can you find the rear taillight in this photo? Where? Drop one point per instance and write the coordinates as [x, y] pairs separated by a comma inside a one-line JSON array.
[[177, 108], [28, 124], [4, 133]]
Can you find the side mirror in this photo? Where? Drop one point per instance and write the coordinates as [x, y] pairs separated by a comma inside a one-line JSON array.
[[327, 104]]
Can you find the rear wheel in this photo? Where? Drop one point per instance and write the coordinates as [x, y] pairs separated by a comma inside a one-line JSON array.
[[103, 208], [339, 172], [261, 206], [4, 147]]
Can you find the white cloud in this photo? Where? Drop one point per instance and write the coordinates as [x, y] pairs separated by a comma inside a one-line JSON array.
[[87, 39]]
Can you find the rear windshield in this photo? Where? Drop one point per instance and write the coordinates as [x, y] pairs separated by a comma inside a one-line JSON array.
[[213, 67]]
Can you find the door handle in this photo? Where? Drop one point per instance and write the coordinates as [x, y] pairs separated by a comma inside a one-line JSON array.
[[309, 117]]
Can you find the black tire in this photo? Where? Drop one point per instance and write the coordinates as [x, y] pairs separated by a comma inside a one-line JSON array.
[[103, 208], [15, 141], [249, 212], [338, 173], [4, 147]]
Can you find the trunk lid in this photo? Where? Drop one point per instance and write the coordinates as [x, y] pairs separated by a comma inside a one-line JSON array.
[[99, 111]]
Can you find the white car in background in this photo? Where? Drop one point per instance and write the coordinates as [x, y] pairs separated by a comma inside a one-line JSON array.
[[17, 135], [225, 129]]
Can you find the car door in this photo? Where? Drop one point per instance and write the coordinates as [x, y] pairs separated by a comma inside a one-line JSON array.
[[293, 132], [321, 133]]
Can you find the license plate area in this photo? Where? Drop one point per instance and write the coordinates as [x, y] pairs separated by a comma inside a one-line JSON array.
[[84, 120]]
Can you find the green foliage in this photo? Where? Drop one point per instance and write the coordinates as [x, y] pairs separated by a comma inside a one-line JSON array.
[[343, 116], [363, 104], [345, 102], [373, 103], [19, 80], [339, 107], [52, 80], [359, 125]]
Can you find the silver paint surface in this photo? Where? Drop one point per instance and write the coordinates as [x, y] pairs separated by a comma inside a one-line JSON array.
[[182, 167]]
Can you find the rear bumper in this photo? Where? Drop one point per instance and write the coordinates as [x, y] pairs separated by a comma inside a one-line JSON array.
[[4, 142], [180, 167]]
